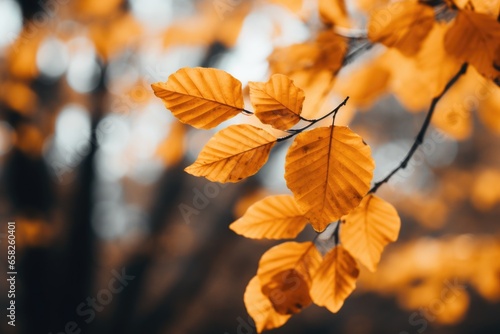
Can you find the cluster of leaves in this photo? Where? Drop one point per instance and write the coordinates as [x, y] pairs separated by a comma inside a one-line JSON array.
[[328, 169], [425, 42]]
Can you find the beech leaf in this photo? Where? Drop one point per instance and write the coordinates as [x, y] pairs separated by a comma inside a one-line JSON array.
[[201, 97], [277, 102], [233, 154], [368, 229], [335, 279], [329, 170], [274, 217]]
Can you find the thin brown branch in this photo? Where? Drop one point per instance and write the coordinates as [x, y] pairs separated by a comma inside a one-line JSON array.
[[295, 132], [421, 134]]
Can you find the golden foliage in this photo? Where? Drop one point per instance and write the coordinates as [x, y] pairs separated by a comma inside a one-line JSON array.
[[332, 50], [312, 66], [417, 80], [444, 269], [274, 217], [293, 58], [288, 291], [475, 38], [335, 279], [201, 97], [302, 257], [402, 25], [329, 170], [368, 229], [260, 308], [233, 154], [282, 284], [277, 102]]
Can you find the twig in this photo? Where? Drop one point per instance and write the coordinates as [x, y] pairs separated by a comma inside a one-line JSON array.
[[313, 121], [246, 112], [421, 134], [335, 233]]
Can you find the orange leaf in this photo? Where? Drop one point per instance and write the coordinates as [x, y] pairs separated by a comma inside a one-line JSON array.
[[417, 80], [368, 229], [293, 58], [233, 154], [335, 279], [201, 97], [402, 25], [332, 50], [303, 257], [329, 170], [261, 310], [277, 102], [288, 292], [474, 38], [285, 273], [274, 217]]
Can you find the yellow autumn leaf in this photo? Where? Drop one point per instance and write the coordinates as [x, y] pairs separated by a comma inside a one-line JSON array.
[[261, 310], [201, 97], [402, 25], [417, 80], [277, 102], [233, 154], [335, 279], [274, 217], [285, 274], [475, 38], [303, 257], [288, 292], [329, 170], [295, 57], [333, 48], [368, 229]]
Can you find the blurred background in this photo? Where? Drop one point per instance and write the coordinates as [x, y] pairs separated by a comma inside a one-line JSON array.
[[113, 237]]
